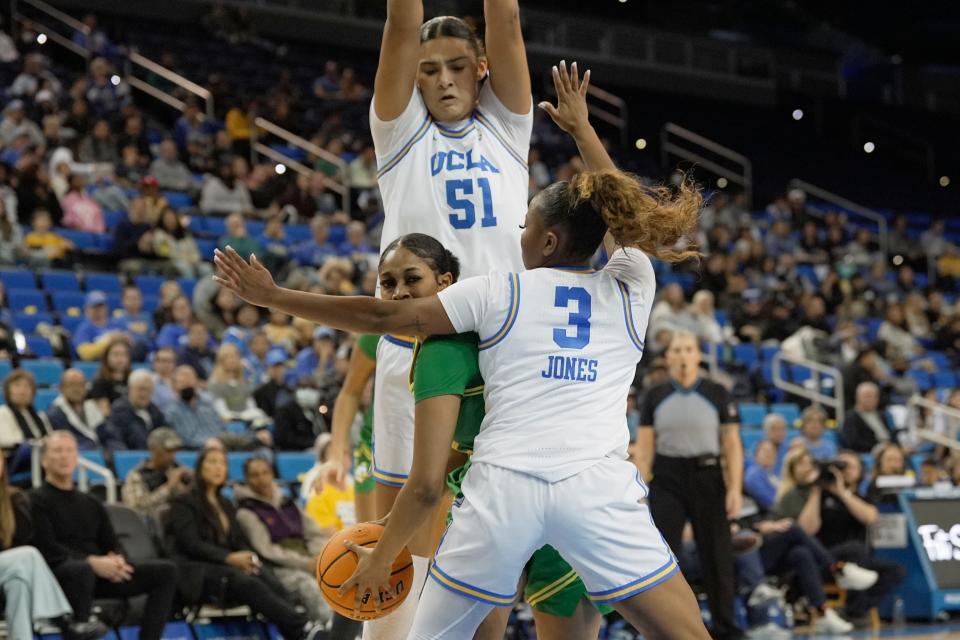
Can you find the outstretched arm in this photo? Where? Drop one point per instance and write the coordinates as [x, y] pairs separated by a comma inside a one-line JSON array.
[[509, 73], [399, 51], [572, 115], [253, 283]]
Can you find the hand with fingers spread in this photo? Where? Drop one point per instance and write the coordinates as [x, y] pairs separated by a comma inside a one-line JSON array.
[[571, 113], [250, 281], [371, 576]]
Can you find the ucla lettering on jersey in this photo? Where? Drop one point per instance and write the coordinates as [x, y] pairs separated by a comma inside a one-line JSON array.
[[466, 184]]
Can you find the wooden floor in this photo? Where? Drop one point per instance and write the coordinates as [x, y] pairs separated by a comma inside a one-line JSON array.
[[950, 631]]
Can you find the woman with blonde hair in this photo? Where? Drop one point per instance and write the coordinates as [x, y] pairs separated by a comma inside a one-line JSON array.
[[232, 392]]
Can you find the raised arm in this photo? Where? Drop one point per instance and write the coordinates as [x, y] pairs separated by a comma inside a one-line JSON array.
[[399, 51], [253, 283], [509, 73]]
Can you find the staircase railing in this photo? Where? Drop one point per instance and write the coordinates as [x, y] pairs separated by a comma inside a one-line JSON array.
[[813, 392], [258, 148], [854, 208], [678, 142], [84, 469], [917, 402], [135, 60], [616, 118], [46, 29]]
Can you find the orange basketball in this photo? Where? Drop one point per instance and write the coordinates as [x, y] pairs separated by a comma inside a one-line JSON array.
[[337, 563]]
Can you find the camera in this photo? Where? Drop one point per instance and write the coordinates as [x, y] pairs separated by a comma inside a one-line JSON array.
[[826, 467]]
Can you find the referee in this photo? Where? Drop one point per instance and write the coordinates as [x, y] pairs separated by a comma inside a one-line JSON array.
[[689, 434]]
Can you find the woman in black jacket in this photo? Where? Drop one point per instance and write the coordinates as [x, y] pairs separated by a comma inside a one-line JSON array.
[[212, 551], [30, 589]]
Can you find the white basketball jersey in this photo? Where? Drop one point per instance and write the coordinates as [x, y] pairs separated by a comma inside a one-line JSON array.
[[466, 184], [393, 405], [558, 352]]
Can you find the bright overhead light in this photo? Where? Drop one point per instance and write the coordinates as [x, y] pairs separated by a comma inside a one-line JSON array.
[[41, 38], [897, 260], [280, 169], [868, 147], [722, 183], [944, 181], [115, 80], [798, 114], [641, 143]]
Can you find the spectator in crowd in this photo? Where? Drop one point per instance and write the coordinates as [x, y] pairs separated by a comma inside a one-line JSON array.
[[134, 135], [223, 194], [131, 169], [930, 473], [104, 96], [169, 291], [19, 419], [705, 317], [866, 426], [171, 241], [280, 331], [244, 327], [133, 321], [192, 416], [164, 362], [95, 333], [210, 546], [31, 591], [198, 352], [362, 171], [760, 481], [275, 391], [890, 461], [779, 240], [46, 247], [133, 239], [299, 196], [900, 343], [255, 360], [328, 504], [173, 334], [80, 211], [100, 146], [33, 78], [133, 416], [233, 394], [16, 124], [170, 172], [355, 246], [152, 484], [154, 202], [74, 534], [192, 127], [238, 238], [110, 383], [276, 252], [775, 430], [12, 248], [865, 368], [72, 411], [671, 312], [328, 85], [300, 419], [282, 535], [831, 510], [317, 361], [93, 39], [316, 251], [812, 427]]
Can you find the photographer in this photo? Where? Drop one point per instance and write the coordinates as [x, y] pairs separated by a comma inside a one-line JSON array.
[[822, 498], [154, 482]]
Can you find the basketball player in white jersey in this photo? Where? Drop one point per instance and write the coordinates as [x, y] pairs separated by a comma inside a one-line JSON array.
[[451, 125], [559, 345]]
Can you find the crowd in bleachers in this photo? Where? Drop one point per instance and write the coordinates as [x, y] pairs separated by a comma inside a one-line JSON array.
[[111, 330]]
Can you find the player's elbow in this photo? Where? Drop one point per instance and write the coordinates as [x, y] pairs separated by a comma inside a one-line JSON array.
[[427, 494]]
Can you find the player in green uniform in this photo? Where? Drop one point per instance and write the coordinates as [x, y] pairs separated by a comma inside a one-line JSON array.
[[363, 362]]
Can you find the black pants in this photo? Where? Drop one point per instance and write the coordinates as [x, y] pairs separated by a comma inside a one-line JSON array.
[[155, 578], [681, 491], [795, 550], [239, 588], [891, 574]]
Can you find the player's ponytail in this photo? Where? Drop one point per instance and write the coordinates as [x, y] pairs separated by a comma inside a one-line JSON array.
[[451, 27], [653, 219], [428, 249]]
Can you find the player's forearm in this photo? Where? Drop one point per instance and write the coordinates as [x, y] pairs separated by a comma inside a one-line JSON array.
[[404, 14], [361, 314], [415, 504], [594, 154], [501, 12]]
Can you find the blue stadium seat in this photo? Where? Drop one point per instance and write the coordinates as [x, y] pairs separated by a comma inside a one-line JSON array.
[[178, 199], [206, 248], [71, 304], [39, 346], [60, 281], [18, 279], [752, 414], [721, 317], [297, 232], [235, 462], [940, 359], [70, 323], [106, 282], [45, 398], [5, 368], [94, 456], [750, 439], [149, 285], [82, 240], [46, 371], [187, 458], [113, 218], [292, 464], [255, 227], [338, 234], [768, 351], [745, 354], [187, 285], [916, 460], [214, 226], [114, 302], [26, 300], [944, 380], [236, 426], [922, 378], [89, 369], [27, 322], [789, 410], [125, 461], [150, 303]]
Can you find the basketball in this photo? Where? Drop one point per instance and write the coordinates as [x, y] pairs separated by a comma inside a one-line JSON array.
[[337, 563]]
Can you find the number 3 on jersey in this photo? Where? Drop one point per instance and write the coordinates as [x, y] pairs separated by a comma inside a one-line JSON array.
[[579, 319], [465, 211]]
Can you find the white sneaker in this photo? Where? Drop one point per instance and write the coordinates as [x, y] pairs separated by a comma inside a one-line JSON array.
[[831, 622], [762, 593], [853, 577], [769, 631]]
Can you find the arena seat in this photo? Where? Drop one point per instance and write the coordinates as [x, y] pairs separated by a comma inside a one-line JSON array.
[[89, 369], [125, 461], [235, 462], [47, 372], [187, 458], [944, 379], [39, 346], [789, 410], [106, 282], [27, 300], [292, 464], [752, 414], [5, 368], [45, 398], [69, 303], [27, 322], [18, 279], [149, 285], [60, 281]]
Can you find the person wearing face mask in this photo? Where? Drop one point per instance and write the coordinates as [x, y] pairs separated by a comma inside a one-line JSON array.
[[301, 419]]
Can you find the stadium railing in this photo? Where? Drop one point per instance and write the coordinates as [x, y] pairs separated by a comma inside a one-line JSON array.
[[848, 206], [678, 142], [812, 386]]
